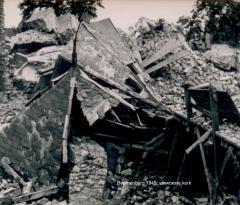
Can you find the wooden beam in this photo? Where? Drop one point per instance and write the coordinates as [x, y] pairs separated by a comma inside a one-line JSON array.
[[54, 80], [236, 165], [207, 174], [114, 114], [119, 124], [36, 195], [199, 141], [66, 123], [172, 148], [5, 162], [181, 167], [167, 61], [187, 99], [201, 86], [139, 120], [226, 158], [170, 46], [154, 140], [141, 147], [37, 95], [215, 126], [204, 111], [113, 137]]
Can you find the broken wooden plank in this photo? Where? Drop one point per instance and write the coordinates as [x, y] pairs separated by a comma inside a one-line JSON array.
[[139, 120], [181, 167], [143, 127], [36, 195], [154, 144], [59, 77], [141, 147], [236, 165], [187, 99], [114, 114], [136, 67], [171, 150], [226, 158], [202, 110], [113, 137], [120, 124], [10, 192], [5, 162], [201, 86], [199, 141], [170, 46], [154, 140], [207, 174], [37, 95], [167, 61]]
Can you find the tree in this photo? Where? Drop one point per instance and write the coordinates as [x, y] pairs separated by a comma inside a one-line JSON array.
[[223, 19], [75, 7], [1, 14]]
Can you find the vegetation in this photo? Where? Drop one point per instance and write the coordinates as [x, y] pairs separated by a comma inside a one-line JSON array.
[[223, 19], [75, 7]]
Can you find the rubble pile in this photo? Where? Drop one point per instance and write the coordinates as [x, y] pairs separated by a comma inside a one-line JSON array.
[[151, 35], [32, 55], [205, 70], [87, 177], [106, 85]]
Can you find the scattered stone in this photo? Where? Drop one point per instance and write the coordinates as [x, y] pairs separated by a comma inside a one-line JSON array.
[[127, 172], [43, 20], [31, 41], [224, 57]]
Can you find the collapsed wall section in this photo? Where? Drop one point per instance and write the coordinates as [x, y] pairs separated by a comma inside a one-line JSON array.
[[33, 141]]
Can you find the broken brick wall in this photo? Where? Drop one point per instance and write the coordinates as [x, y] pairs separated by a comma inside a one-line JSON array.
[[33, 142]]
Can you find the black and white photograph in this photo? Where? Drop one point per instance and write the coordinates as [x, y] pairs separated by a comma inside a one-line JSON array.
[[120, 102]]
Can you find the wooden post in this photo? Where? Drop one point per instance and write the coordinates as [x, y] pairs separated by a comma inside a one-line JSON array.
[[214, 108], [188, 103], [207, 174], [215, 126], [226, 158], [200, 140], [172, 148], [181, 168], [66, 124]]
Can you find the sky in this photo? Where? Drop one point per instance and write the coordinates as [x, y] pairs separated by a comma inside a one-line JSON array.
[[123, 13]]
